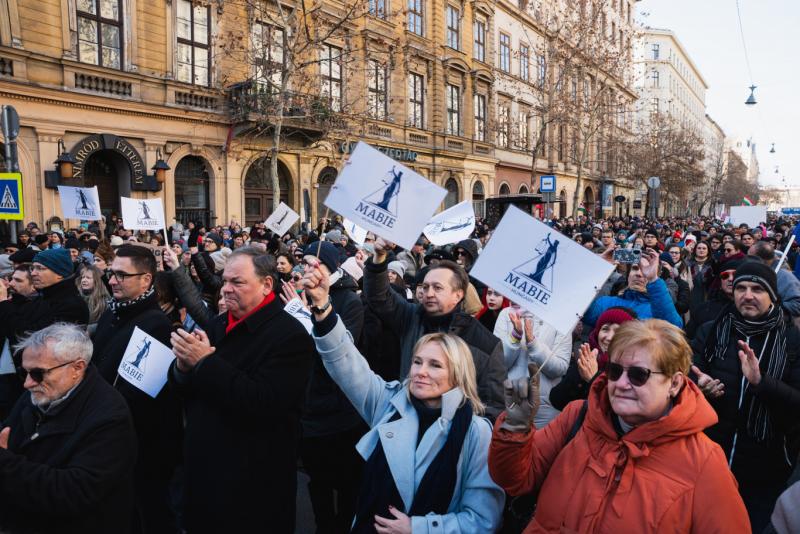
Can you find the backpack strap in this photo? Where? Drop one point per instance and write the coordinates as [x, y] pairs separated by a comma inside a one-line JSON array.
[[578, 422]]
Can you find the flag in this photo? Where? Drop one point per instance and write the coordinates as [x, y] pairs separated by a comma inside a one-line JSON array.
[[146, 362], [384, 197], [282, 219], [452, 225], [541, 269], [356, 233], [80, 203], [746, 201], [143, 214]]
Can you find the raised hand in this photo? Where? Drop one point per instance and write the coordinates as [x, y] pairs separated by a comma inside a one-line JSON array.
[[316, 284], [649, 265], [750, 368], [522, 401], [587, 362], [711, 388], [170, 258]]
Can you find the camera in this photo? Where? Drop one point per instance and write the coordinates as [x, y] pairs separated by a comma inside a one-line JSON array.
[[628, 256]]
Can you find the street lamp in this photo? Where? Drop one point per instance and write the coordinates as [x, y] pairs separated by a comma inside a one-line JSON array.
[[160, 167], [65, 161]]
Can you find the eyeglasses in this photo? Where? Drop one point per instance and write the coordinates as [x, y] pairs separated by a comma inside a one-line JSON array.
[[638, 376], [462, 253], [121, 276], [724, 275], [37, 375]]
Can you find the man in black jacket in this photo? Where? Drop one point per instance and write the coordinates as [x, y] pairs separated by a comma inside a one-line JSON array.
[[134, 303], [747, 362], [68, 449], [331, 426], [445, 285], [243, 382]]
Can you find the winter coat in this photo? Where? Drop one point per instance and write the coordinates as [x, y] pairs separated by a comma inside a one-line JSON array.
[[243, 405], [211, 281], [655, 304], [327, 410], [662, 476], [191, 298], [69, 471], [708, 311], [411, 261], [477, 501], [380, 345], [158, 421], [549, 349], [764, 462], [788, 290], [406, 319]]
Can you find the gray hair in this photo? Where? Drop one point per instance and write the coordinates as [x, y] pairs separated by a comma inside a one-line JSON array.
[[69, 342], [263, 263]]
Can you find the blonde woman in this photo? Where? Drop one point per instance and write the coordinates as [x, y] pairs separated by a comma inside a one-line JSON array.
[[94, 293], [426, 451]]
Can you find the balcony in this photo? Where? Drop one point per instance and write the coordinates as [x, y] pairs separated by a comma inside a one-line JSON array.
[[251, 102]]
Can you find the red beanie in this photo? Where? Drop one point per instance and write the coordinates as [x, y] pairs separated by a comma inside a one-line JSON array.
[[612, 316]]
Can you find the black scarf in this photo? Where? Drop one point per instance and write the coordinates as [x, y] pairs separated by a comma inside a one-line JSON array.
[[119, 306], [435, 491], [772, 359]]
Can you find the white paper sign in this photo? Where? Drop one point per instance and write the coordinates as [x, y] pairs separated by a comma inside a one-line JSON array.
[[282, 219], [142, 214], [752, 216], [451, 226], [540, 269], [146, 362], [296, 309], [80, 203], [356, 233], [384, 197]]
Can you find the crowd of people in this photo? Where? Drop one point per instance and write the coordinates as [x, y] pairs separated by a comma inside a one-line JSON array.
[[414, 397]]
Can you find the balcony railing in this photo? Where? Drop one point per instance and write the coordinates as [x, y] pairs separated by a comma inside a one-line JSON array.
[[255, 102]]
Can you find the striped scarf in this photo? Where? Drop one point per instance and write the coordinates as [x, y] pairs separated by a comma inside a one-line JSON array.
[[772, 359]]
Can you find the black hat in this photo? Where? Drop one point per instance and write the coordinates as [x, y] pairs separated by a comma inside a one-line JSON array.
[[328, 254], [72, 243], [438, 254], [758, 273], [651, 231], [24, 255], [215, 237]]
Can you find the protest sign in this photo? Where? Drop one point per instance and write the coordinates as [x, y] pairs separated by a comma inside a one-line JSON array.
[[282, 219], [143, 214], [383, 196], [752, 216], [356, 233], [296, 309], [146, 362], [540, 269], [451, 226], [80, 203]]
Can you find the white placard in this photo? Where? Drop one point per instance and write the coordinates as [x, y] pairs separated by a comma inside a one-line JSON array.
[[451, 226], [142, 214], [146, 362], [384, 197], [356, 233], [540, 269], [282, 219], [752, 216], [296, 309], [80, 203]]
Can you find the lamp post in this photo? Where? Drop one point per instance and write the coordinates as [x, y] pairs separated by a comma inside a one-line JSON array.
[[160, 168], [65, 162]]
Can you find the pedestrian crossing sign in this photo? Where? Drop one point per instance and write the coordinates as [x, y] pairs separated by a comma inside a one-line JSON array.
[[11, 196]]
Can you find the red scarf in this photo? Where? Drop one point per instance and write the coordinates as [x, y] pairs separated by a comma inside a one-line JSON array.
[[233, 322]]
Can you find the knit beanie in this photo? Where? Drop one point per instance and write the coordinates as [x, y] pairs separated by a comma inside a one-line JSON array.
[[334, 236], [612, 316], [72, 243], [57, 260], [24, 255], [215, 237], [758, 273], [220, 257], [667, 257], [397, 267], [328, 254]]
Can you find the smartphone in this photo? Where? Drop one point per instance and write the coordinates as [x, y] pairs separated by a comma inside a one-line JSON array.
[[628, 256]]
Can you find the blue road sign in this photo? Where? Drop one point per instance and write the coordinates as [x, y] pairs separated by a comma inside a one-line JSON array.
[[547, 183], [11, 196]]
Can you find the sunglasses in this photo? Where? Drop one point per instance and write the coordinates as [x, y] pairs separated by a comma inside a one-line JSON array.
[[727, 274], [638, 376], [728, 249], [37, 375]]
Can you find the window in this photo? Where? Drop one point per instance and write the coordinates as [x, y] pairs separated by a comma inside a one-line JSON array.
[[453, 27], [191, 190], [452, 196], [562, 147], [453, 110], [376, 80], [656, 78], [377, 8], [415, 17], [504, 190], [100, 32], [505, 53], [502, 126], [478, 196], [654, 105], [574, 90], [541, 67], [524, 62], [194, 53], [522, 129], [331, 74], [480, 117], [416, 100], [656, 51], [268, 45], [479, 35]]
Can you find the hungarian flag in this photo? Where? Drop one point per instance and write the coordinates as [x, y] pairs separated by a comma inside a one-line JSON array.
[[746, 201]]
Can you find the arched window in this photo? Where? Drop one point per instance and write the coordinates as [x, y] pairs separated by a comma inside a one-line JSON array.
[[478, 197], [326, 179], [523, 189], [452, 196], [258, 191], [191, 191], [505, 190]]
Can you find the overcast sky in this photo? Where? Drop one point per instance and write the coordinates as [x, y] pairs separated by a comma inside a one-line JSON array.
[[709, 31]]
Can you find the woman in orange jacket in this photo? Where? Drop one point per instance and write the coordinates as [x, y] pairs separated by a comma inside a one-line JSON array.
[[639, 461]]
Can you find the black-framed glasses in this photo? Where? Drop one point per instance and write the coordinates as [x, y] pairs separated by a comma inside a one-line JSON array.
[[638, 376], [121, 276], [38, 374]]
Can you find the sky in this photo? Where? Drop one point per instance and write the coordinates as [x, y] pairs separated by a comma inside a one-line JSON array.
[[709, 31]]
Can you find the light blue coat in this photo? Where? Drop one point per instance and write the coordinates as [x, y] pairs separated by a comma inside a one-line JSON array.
[[477, 503]]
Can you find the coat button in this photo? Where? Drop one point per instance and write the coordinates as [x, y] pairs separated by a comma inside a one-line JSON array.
[[435, 523], [390, 435]]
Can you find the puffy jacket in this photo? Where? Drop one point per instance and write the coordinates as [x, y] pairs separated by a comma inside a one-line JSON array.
[[662, 476], [655, 304]]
